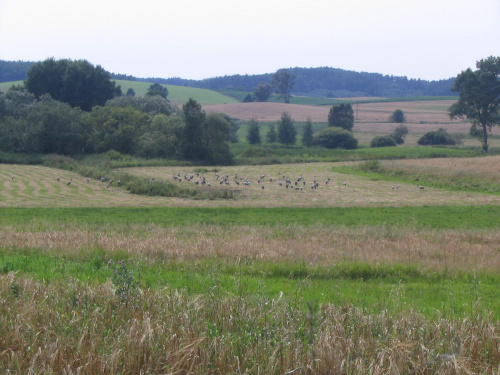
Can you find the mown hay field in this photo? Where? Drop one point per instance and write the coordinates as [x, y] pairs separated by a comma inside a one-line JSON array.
[[38, 186]]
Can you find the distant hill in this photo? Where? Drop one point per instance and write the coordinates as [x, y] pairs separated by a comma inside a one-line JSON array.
[[317, 82], [326, 82]]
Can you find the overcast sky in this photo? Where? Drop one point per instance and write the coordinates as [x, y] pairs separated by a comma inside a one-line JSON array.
[[195, 39]]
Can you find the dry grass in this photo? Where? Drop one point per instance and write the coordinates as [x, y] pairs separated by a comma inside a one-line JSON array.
[[36, 186], [429, 250], [356, 191], [416, 112], [485, 168], [71, 328]]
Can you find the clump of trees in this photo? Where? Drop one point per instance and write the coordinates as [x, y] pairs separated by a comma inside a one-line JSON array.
[[334, 137], [262, 92], [399, 134], [383, 141], [437, 137], [77, 83], [82, 122]]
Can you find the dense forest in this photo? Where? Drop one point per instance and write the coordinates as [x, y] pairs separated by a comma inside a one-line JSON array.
[[327, 82], [320, 82]]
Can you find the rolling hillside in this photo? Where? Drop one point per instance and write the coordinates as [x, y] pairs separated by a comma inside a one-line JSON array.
[[179, 94]]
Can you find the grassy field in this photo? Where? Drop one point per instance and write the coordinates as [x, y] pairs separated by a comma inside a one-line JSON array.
[[380, 261], [179, 95]]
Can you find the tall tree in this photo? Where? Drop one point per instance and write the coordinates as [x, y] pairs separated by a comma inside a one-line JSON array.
[[77, 83], [283, 83], [286, 130], [307, 134], [479, 98], [341, 116], [193, 147], [253, 135], [271, 134]]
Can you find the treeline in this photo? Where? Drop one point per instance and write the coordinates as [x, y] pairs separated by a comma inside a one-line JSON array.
[[14, 70], [327, 82], [320, 82], [72, 108], [145, 126]]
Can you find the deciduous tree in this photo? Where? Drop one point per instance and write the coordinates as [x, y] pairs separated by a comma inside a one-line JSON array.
[[341, 116], [253, 135], [307, 134], [77, 83], [283, 83], [157, 89], [262, 92], [479, 97]]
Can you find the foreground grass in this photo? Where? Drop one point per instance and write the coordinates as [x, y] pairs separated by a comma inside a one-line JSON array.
[[373, 288], [73, 327]]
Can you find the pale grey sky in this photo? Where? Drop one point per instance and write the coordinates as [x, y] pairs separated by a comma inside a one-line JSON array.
[[427, 39]]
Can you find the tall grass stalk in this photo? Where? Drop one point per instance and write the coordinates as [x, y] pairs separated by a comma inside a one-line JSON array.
[[75, 328]]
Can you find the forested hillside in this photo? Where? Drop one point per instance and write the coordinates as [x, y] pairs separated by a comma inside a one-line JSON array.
[[328, 82], [320, 82]]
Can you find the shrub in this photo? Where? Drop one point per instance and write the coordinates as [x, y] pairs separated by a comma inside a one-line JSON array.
[[335, 137], [437, 137], [399, 134], [383, 141]]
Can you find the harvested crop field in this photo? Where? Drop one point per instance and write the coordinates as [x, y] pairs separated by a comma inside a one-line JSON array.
[[435, 111], [36, 186], [341, 191]]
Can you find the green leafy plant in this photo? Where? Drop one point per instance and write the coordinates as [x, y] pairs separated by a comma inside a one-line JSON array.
[[126, 286]]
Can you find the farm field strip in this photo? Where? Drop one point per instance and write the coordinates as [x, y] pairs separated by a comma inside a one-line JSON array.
[[317, 245]]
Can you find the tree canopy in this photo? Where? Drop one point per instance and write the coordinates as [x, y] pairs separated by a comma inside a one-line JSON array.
[[253, 135], [286, 130], [262, 92], [157, 89], [479, 97], [341, 116], [283, 83], [77, 83], [307, 134]]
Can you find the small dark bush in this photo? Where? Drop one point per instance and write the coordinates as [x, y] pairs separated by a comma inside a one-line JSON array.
[[383, 141], [437, 137], [334, 137]]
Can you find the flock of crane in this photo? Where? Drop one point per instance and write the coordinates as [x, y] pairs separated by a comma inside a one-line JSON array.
[[296, 184]]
